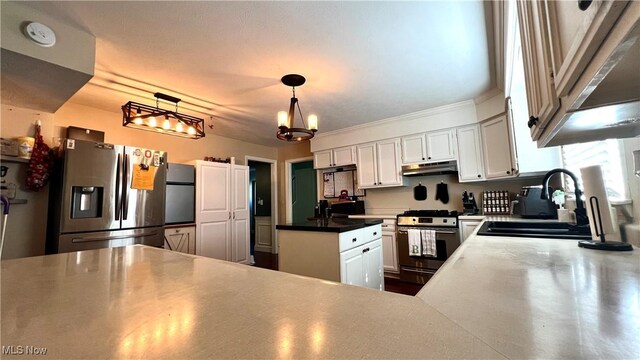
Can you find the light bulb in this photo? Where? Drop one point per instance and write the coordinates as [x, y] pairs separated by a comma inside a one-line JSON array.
[[179, 127], [167, 124], [137, 120], [313, 122], [283, 118], [152, 122], [191, 130]]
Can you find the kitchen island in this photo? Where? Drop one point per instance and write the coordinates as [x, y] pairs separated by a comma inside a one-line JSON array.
[[337, 249], [143, 302], [495, 298]]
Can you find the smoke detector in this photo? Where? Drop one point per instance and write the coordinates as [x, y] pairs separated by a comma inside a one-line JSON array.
[[40, 34]]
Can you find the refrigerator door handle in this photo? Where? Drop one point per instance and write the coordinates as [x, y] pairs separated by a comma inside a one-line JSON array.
[[118, 203], [125, 188]]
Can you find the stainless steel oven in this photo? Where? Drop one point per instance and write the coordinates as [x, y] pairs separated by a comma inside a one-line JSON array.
[[419, 269]]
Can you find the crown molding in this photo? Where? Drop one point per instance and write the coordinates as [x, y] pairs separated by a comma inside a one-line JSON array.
[[406, 117]]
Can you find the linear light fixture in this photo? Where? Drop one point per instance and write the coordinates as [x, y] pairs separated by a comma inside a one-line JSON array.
[[286, 130], [145, 117]]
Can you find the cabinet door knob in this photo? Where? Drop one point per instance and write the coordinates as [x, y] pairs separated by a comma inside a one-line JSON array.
[[354, 239], [479, 176], [508, 172], [365, 250], [422, 158], [584, 4], [375, 233], [429, 157], [532, 121]]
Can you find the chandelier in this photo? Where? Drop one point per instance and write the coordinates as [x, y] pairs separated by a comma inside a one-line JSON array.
[[144, 117], [286, 130]]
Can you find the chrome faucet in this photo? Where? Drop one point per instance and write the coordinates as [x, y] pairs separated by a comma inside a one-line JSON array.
[[581, 211]]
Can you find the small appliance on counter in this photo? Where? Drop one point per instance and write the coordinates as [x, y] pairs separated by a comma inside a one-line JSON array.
[[530, 205], [469, 203], [347, 208]]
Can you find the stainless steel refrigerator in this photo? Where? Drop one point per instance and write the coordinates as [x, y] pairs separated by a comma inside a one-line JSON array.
[[105, 195]]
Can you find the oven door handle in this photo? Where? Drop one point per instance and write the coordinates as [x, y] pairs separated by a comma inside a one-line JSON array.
[[437, 231], [430, 272]]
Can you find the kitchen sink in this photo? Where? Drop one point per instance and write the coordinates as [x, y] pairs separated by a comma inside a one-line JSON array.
[[539, 229]]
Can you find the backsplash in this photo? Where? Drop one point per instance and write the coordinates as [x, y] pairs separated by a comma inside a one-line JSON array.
[[398, 199]]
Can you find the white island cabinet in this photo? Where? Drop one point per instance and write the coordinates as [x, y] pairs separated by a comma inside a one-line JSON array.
[[321, 249]]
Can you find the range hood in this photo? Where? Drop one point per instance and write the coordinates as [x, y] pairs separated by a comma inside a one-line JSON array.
[[438, 168]]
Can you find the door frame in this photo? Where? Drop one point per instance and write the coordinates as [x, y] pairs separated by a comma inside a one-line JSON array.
[[274, 195], [288, 167]]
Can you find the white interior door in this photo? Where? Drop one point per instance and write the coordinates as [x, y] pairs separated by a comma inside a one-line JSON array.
[[240, 214]]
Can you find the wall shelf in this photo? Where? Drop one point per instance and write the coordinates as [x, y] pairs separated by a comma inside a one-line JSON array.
[[14, 159]]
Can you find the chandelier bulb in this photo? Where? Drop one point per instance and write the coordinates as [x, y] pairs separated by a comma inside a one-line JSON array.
[[167, 124], [313, 122], [179, 127], [191, 130], [152, 122], [137, 120], [282, 119]]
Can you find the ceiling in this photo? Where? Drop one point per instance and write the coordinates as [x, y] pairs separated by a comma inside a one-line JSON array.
[[364, 61]]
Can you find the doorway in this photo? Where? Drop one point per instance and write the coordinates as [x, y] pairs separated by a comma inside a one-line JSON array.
[[303, 191], [263, 211]]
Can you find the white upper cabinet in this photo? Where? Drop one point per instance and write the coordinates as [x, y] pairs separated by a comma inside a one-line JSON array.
[[414, 149], [388, 163], [440, 146], [378, 164], [334, 157], [497, 148], [568, 53], [429, 147], [575, 35], [322, 159], [470, 159], [344, 156], [542, 99], [367, 165]]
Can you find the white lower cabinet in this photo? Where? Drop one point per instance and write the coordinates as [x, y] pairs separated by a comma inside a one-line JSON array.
[[389, 246], [362, 266], [354, 257], [181, 239], [468, 226]]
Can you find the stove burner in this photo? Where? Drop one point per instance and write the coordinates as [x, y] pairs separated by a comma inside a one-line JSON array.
[[430, 213]]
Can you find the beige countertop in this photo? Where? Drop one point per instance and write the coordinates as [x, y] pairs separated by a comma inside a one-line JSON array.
[[542, 298], [142, 302]]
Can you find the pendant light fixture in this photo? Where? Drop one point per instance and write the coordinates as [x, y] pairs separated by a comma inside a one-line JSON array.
[[144, 117], [286, 130]]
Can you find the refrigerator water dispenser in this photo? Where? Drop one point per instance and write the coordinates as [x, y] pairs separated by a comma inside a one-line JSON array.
[[86, 202]]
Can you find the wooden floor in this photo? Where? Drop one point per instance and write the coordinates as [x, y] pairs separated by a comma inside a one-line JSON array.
[[265, 260], [270, 261]]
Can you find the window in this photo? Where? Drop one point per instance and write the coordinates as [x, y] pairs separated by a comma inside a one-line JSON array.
[[605, 153]]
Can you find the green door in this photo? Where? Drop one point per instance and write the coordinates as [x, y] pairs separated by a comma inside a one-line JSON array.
[[303, 190]]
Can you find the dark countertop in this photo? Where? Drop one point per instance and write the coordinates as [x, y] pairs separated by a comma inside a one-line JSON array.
[[336, 225]]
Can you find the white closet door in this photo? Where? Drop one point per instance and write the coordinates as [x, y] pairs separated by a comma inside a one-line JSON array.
[[240, 214]]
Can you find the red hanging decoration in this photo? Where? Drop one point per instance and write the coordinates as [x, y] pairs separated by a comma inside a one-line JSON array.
[[40, 164]]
